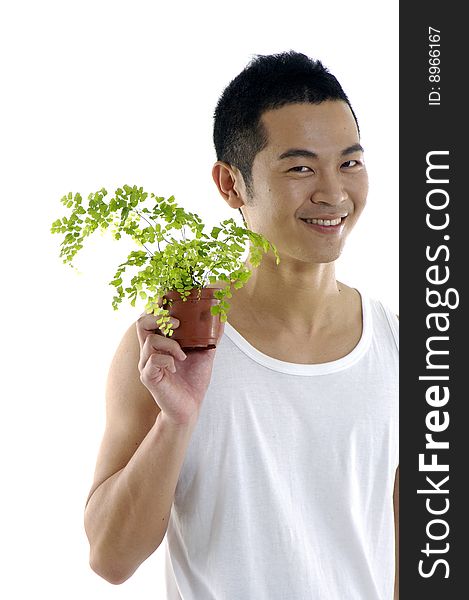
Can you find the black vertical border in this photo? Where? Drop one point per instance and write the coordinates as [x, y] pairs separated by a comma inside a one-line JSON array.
[[425, 128]]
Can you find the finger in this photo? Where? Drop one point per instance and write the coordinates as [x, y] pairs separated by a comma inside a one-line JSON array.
[[158, 344], [154, 369], [147, 324], [146, 313], [160, 304]]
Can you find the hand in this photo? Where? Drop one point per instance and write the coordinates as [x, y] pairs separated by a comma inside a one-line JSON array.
[[177, 381]]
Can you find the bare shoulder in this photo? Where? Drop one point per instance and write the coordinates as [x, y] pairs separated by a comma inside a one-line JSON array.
[[352, 302], [126, 396], [131, 410], [349, 290]]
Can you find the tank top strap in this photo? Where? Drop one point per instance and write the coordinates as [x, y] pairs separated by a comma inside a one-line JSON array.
[[392, 320]]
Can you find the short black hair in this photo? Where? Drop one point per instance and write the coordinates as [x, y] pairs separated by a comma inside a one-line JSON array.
[[267, 82]]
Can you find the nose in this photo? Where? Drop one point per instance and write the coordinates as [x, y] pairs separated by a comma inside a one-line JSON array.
[[329, 189]]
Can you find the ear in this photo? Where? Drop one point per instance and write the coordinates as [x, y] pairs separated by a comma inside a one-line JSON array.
[[229, 182]]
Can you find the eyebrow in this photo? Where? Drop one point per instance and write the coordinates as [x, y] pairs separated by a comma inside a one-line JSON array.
[[309, 154]]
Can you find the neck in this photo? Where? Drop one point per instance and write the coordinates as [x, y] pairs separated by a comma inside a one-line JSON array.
[[292, 296]]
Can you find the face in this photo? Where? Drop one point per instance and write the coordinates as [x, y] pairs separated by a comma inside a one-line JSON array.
[[325, 177]]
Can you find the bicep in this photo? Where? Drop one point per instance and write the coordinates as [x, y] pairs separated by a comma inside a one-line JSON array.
[[131, 410]]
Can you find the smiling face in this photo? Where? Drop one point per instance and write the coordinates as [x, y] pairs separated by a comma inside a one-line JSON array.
[[313, 166]]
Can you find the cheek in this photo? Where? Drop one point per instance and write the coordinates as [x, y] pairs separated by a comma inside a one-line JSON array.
[[364, 183], [360, 191]]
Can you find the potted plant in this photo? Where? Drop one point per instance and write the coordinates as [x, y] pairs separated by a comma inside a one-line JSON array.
[[173, 272]]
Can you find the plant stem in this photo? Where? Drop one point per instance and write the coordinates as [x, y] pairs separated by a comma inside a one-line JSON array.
[[144, 218], [151, 225], [209, 270], [147, 249]]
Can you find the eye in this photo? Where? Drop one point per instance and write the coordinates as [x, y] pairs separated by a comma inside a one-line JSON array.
[[301, 167], [357, 163]]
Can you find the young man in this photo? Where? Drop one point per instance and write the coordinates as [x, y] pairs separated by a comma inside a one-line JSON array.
[[270, 462]]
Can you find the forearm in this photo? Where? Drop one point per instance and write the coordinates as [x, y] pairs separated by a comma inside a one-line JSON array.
[[127, 516]]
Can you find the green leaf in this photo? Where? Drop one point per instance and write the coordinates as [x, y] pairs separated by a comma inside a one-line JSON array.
[[174, 252], [215, 232]]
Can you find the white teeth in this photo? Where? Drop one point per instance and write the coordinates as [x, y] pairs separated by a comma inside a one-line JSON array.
[[326, 222]]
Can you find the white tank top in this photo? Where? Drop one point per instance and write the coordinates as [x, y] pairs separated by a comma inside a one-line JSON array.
[[286, 490]]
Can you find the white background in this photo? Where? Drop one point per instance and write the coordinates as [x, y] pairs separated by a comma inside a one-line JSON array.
[[106, 93]]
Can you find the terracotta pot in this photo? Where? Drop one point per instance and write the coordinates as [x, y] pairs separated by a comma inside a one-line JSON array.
[[198, 328]]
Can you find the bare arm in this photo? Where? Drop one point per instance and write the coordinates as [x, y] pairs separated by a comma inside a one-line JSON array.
[[396, 530], [139, 462], [153, 397]]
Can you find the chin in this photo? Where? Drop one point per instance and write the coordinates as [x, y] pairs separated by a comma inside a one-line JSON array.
[[324, 261], [326, 257]]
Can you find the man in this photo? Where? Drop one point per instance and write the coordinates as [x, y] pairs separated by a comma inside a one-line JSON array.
[[270, 463]]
